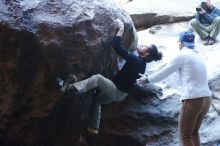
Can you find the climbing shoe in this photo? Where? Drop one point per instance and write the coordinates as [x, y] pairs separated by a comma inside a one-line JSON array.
[[63, 86], [93, 131]]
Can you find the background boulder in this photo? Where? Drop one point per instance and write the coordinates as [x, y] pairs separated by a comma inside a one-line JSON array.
[[154, 12]]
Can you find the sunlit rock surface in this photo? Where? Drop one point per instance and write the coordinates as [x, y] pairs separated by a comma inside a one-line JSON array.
[[147, 13]]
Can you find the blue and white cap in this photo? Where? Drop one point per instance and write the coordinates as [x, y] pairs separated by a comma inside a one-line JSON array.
[[187, 38]]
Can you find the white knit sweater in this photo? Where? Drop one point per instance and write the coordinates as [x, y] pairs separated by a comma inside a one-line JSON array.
[[192, 72]]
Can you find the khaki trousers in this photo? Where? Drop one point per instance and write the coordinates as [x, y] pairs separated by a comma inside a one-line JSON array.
[[107, 87], [205, 31], [190, 120]]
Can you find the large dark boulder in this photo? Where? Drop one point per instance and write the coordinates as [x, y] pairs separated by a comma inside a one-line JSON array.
[[37, 45], [215, 87], [143, 119]]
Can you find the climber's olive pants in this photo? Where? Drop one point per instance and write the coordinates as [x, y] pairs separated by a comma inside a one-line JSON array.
[[205, 31], [107, 87], [190, 120]]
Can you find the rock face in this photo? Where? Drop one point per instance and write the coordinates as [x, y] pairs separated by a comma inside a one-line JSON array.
[[214, 85], [143, 21], [52, 39], [146, 120]]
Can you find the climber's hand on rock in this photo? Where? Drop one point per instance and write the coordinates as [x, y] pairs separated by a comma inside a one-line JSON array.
[[120, 24]]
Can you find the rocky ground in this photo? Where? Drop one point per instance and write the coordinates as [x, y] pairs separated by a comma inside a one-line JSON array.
[[152, 12]]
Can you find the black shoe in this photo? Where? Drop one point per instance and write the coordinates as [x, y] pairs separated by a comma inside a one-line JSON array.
[[212, 41], [207, 41], [89, 136], [92, 131]]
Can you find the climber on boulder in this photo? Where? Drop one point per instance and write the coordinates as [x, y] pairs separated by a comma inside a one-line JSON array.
[[117, 89]]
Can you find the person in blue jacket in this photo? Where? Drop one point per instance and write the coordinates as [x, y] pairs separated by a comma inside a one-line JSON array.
[[118, 88], [207, 22]]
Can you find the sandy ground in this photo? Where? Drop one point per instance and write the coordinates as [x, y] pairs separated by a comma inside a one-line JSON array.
[[163, 7]]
